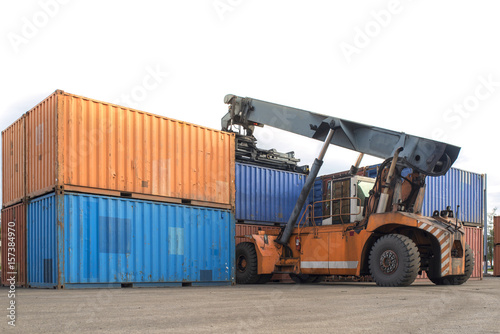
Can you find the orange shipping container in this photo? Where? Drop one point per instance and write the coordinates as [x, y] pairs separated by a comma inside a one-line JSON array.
[[79, 144], [13, 163], [247, 229], [474, 238], [17, 240], [496, 230]]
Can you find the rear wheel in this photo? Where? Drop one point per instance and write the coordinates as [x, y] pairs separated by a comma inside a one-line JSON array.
[[246, 264], [319, 279], [306, 279], [457, 279], [394, 260]]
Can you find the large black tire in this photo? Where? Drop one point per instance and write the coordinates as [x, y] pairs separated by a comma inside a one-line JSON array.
[[394, 261], [246, 264], [263, 279], [306, 279], [457, 279]]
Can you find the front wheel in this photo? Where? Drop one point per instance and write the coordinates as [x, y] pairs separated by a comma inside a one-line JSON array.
[[394, 260]]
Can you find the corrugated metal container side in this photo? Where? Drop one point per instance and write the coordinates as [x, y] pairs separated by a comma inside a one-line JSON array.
[[42, 238], [496, 230], [474, 238], [265, 194], [496, 259], [316, 195], [78, 240], [457, 187], [13, 163], [249, 229], [15, 214], [78, 142], [41, 146]]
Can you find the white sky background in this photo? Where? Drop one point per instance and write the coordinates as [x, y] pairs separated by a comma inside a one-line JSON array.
[[421, 61]]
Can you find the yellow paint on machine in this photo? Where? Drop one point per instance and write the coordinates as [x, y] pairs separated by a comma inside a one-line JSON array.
[[83, 143]]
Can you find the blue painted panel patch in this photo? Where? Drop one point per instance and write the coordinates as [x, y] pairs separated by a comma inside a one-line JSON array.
[[115, 235], [176, 241]]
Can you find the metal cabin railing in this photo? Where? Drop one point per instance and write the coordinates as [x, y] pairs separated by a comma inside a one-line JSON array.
[[309, 219]]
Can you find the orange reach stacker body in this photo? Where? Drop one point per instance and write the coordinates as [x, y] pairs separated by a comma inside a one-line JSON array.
[[340, 250], [387, 237]]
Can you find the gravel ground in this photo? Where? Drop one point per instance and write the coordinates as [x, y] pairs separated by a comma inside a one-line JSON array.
[[272, 308]]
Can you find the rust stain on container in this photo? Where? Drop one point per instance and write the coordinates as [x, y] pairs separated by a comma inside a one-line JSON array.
[[496, 230], [79, 142], [13, 163], [15, 214]]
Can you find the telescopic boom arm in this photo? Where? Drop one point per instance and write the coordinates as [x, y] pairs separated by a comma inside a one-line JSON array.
[[426, 156]]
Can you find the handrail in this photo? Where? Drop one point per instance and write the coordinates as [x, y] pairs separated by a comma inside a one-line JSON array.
[[311, 217]]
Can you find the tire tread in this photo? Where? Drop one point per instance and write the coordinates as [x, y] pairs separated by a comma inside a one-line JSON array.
[[250, 277], [412, 266]]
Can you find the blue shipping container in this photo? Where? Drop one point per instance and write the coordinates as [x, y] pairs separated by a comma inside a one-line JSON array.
[[79, 240], [265, 195], [315, 196], [456, 187]]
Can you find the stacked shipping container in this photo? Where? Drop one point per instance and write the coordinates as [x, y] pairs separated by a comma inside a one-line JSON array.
[[78, 144], [265, 199], [110, 241], [14, 244], [456, 187], [13, 236], [69, 144], [13, 163], [265, 195], [243, 230]]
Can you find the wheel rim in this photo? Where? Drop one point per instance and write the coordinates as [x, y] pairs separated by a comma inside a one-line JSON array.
[[389, 262], [242, 264]]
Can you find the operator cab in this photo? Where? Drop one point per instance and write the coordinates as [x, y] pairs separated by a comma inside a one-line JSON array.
[[345, 199]]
